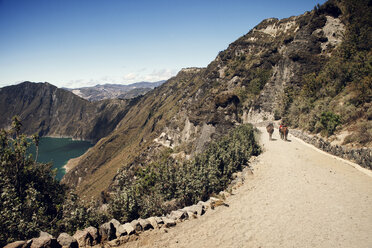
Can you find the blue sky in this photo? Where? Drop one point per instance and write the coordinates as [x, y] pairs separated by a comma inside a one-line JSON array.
[[74, 43]]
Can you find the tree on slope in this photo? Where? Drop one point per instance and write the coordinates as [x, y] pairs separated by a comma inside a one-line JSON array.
[[30, 196]]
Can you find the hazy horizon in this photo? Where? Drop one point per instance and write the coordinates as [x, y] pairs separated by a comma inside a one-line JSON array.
[[84, 43], [84, 86]]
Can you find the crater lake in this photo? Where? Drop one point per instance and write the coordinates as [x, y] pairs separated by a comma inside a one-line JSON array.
[[59, 151]]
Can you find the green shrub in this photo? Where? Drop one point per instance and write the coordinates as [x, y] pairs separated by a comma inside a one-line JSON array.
[[277, 115], [257, 80], [31, 199], [329, 122], [76, 214], [30, 196], [168, 184]]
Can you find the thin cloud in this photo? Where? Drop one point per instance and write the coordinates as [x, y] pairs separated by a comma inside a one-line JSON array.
[[155, 75], [131, 77]]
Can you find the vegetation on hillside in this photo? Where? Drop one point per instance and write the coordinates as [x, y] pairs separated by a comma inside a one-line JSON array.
[[340, 93], [168, 184], [31, 199], [253, 84]]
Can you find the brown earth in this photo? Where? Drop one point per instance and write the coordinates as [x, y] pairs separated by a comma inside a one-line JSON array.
[[297, 197]]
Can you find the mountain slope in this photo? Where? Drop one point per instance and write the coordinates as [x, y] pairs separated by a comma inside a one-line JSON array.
[[49, 111], [111, 91], [336, 100], [245, 83]]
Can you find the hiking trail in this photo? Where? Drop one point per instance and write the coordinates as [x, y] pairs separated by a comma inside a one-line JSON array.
[[298, 196]]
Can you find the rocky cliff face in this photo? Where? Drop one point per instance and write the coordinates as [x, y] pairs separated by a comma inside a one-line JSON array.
[[297, 46], [49, 111], [243, 84]]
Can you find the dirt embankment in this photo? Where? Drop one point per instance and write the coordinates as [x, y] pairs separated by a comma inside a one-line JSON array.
[[297, 197]]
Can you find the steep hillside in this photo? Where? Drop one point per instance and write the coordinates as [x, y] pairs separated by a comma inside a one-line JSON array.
[[336, 101], [49, 111], [113, 91], [134, 93], [245, 83]]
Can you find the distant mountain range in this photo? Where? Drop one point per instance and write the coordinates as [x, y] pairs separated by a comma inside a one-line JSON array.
[[111, 91], [50, 111], [88, 113]]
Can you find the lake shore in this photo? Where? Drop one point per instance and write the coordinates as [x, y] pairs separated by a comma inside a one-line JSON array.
[[59, 151], [71, 164], [68, 137]]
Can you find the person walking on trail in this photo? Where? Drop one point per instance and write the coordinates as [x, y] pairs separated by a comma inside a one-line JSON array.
[[283, 131], [270, 130]]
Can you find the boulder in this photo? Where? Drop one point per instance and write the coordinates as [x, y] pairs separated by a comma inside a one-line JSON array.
[[107, 231], [115, 222], [178, 215], [122, 231], [153, 222], [83, 238], [159, 220], [96, 239], [191, 215], [145, 224], [195, 209], [168, 222], [66, 241], [16, 244], [205, 205], [45, 234], [136, 225], [45, 242], [129, 228]]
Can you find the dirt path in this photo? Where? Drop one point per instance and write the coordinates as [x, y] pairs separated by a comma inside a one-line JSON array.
[[297, 197]]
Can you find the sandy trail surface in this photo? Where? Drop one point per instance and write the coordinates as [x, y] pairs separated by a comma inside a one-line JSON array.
[[297, 197]]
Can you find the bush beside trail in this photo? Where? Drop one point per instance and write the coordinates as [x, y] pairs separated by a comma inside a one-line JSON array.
[[168, 184], [32, 200]]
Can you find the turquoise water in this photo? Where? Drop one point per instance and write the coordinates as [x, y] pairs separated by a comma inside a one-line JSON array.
[[59, 151]]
